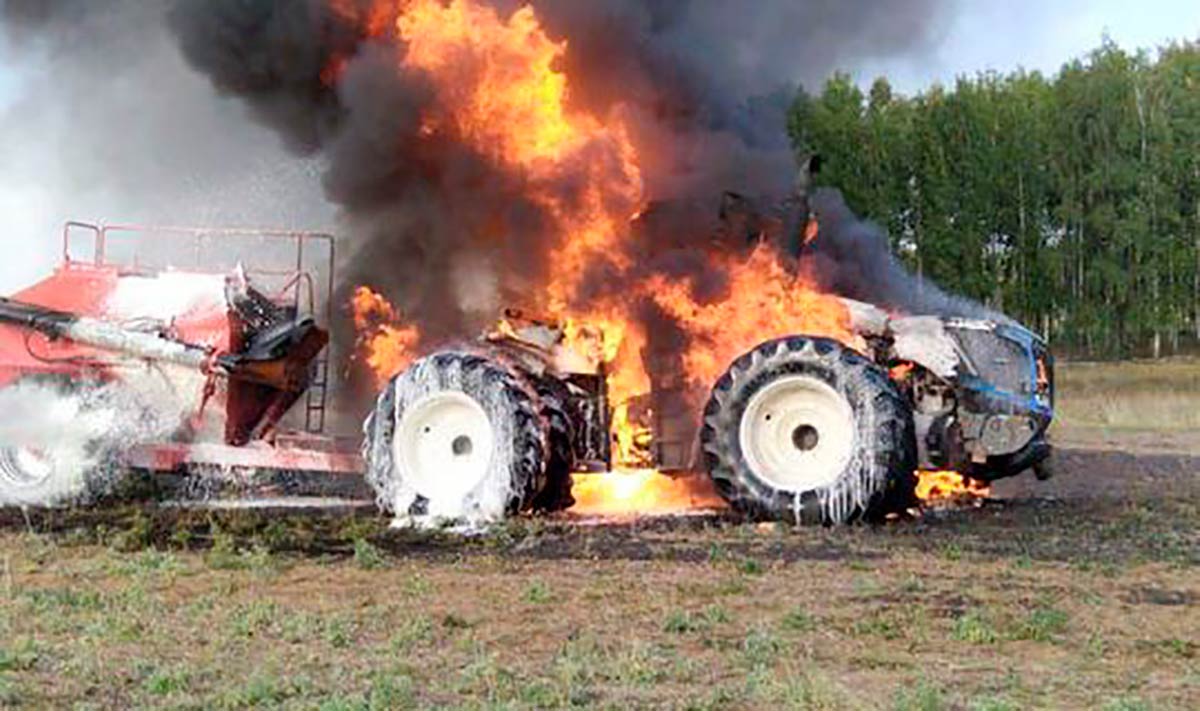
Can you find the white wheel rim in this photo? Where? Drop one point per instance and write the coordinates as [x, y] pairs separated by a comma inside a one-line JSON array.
[[797, 433], [24, 468], [444, 444]]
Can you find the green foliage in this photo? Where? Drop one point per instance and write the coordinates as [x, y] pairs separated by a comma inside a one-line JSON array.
[[1126, 704], [166, 682], [21, 656], [991, 703], [367, 556], [538, 593], [1071, 202], [975, 628], [921, 697], [798, 620], [750, 566], [680, 622], [1043, 624]]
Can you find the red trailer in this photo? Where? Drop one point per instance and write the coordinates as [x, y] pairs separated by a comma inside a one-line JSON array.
[[169, 349]]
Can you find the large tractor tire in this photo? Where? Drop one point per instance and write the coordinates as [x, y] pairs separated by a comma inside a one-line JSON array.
[[553, 398], [805, 430], [457, 437]]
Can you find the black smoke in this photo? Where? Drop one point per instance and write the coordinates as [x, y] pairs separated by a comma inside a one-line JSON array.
[[704, 83], [852, 258]]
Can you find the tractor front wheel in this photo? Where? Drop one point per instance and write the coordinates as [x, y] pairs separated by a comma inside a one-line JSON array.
[[806, 430]]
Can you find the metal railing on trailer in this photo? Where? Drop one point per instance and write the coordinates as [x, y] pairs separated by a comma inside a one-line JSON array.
[[302, 272]]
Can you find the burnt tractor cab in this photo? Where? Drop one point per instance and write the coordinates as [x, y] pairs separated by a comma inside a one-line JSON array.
[[170, 350]]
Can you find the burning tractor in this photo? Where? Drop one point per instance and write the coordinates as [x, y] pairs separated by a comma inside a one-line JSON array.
[[803, 429]]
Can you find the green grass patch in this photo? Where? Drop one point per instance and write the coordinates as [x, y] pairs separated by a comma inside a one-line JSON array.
[[1042, 624], [975, 628], [367, 556]]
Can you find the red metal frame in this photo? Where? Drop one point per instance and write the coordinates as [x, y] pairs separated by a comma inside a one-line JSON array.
[[297, 279], [86, 276]]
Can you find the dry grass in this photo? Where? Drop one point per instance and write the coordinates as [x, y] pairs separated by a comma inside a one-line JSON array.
[[1141, 406], [1130, 395]]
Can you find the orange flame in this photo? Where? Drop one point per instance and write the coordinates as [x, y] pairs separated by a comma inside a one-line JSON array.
[[499, 91], [498, 88], [387, 345], [934, 487], [764, 301], [641, 491]]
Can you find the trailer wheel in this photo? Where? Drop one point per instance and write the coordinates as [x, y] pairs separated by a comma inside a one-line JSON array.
[[46, 468], [805, 430], [457, 437], [31, 477]]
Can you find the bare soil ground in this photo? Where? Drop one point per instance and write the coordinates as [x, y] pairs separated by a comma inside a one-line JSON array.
[[1080, 592]]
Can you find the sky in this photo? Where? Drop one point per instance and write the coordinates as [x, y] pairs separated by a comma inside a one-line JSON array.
[[37, 193], [1036, 34]]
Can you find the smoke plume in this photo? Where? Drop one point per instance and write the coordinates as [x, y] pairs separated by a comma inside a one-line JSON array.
[[104, 120], [705, 83]]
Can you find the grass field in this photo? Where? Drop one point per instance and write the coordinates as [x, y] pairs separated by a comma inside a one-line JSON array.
[[1083, 592], [1138, 395]]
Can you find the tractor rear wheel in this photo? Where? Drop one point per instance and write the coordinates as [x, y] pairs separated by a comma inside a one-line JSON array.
[[457, 437], [806, 430]]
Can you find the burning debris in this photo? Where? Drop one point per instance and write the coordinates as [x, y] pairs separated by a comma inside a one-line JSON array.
[[642, 492], [942, 488]]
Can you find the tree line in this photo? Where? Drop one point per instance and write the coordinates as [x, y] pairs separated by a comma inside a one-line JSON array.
[[1071, 202]]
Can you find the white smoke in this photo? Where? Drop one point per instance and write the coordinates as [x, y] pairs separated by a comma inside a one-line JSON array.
[[61, 443], [103, 120], [166, 295]]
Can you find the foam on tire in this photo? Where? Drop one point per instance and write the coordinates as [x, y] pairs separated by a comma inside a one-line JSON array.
[[880, 473], [517, 468]]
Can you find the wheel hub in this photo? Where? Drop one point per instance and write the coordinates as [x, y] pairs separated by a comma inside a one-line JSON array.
[[24, 467], [797, 433], [444, 444]]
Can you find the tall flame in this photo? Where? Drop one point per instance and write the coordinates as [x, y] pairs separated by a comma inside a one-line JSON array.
[[764, 301], [499, 92], [499, 89]]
